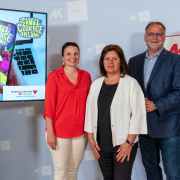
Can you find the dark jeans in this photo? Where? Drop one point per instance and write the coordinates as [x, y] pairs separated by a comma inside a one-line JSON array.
[[113, 170], [170, 150]]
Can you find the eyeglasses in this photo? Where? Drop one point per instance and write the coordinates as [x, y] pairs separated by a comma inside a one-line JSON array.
[[151, 34]]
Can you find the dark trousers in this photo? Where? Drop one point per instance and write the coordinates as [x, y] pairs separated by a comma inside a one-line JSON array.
[[113, 170], [170, 150]]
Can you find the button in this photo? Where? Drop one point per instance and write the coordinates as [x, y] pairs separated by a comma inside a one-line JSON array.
[[111, 108], [112, 125]]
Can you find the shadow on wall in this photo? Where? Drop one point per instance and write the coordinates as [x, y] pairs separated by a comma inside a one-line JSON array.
[[137, 45], [91, 65], [57, 37], [22, 128]]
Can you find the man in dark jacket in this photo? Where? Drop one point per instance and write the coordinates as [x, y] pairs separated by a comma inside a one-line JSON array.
[[158, 73]]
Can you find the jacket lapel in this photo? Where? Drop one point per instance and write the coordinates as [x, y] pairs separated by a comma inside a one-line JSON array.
[[141, 70], [162, 57]]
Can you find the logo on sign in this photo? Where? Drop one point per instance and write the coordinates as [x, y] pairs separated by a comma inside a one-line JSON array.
[[136, 17], [94, 49], [90, 50], [57, 13], [133, 17], [34, 91], [20, 112], [175, 49], [36, 170]]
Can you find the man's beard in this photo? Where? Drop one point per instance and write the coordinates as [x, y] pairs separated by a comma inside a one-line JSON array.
[[154, 48]]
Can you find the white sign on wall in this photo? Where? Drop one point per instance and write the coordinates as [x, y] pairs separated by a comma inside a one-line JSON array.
[[93, 49], [77, 11], [172, 43], [46, 170], [5, 145], [136, 17], [56, 13], [89, 156]]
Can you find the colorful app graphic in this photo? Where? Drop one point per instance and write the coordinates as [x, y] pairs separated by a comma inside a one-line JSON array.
[[22, 55], [30, 27], [7, 42]]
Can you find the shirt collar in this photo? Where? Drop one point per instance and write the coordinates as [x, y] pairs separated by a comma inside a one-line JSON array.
[[61, 69], [147, 55]]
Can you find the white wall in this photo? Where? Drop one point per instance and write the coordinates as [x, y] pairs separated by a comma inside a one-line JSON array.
[[92, 24]]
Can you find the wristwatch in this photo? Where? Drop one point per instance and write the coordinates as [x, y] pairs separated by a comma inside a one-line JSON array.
[[130, 143], [154, 106]]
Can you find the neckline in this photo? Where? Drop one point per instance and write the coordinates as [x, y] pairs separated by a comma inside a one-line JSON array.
[[110, 84]]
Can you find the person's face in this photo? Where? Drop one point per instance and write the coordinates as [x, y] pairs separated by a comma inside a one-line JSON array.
[[112, 62], [155, 37], [71, 56]]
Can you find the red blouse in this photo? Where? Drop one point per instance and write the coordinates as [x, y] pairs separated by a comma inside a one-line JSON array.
[[65, 103]]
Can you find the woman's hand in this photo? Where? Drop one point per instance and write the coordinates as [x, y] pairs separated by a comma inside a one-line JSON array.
[[124, 150], [51, 140], [95, 148]]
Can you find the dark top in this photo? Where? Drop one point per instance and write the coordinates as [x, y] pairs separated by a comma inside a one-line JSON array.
[[104, 135]]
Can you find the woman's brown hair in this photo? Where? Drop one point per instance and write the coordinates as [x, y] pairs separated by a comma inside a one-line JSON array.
[[119, 51]]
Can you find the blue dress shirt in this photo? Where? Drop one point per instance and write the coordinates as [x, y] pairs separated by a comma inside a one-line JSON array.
[[148, 66]]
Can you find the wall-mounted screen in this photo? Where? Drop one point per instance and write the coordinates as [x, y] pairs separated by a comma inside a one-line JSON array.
[[22, 55]]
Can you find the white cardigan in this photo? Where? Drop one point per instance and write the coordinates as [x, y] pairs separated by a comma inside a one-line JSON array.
[[127, 111]]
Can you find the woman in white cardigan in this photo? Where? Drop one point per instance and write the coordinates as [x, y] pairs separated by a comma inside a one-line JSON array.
[[115, 115]]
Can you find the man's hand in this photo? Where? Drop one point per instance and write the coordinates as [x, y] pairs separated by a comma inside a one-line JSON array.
[[149, 105]]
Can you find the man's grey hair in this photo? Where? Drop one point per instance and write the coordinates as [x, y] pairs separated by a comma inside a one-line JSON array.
[[156, 22]]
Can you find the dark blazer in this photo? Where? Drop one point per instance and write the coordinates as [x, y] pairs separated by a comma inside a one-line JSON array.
[[163, 89]]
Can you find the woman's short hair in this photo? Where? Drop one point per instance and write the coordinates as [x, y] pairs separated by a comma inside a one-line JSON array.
[[68, 44], [119, 51]]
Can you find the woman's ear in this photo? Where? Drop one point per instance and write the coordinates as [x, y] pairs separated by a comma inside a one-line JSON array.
[[62, 58]]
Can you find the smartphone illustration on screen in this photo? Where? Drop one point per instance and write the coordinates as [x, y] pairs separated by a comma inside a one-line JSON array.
[[7, 42]]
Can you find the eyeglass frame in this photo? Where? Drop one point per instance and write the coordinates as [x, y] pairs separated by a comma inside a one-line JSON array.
[[159, 35]]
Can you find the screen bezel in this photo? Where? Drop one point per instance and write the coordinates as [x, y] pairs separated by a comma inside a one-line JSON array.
[[30, 41]]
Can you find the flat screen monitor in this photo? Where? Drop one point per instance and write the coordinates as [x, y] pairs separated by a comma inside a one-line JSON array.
[[22, 55]]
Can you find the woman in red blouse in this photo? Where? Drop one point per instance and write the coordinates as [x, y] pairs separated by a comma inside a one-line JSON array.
[[65, 102]]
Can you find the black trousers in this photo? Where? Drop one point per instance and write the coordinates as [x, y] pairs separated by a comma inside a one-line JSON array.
[[113, 170]]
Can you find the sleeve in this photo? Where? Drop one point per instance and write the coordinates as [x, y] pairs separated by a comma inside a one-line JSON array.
[[171, 100], [50, 97], [138, 123], [89, 79], [88, 127]]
